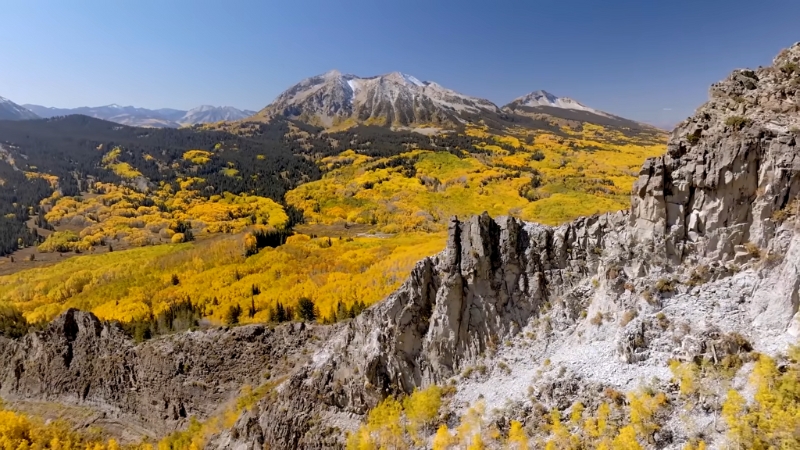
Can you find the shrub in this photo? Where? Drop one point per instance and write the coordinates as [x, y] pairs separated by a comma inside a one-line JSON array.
[[698, 276], [790, 68], [628, 316], [597, 319], [692, 138], [737, 122], [664, 285], [663, 322], [752, 250]]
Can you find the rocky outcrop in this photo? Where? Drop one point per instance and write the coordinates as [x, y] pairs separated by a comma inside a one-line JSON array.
[[729, 174], [79, 360], [727, 170]]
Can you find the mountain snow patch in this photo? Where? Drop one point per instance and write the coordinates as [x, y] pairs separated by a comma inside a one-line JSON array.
[[413, 80]]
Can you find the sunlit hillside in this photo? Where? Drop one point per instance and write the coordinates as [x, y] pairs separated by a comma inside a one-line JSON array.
[[379, 207], [543, 177], [215, 276]]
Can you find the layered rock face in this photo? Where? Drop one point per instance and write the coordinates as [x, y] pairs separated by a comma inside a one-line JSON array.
[[727, 169], [153, 387], [729, 174]]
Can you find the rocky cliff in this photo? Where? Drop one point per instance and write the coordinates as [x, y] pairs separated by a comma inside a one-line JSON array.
[[151, 388], [707, 234]]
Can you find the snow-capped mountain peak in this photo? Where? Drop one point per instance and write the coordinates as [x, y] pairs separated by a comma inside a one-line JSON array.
[[544, 98], [393, 99], [12, 111]]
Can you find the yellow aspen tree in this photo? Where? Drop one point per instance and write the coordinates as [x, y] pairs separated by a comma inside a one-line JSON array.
[[476, 443], [443, 439], [576, 414], [603, 411], [517, 438], [733, 412], [626, 439], [384, 421], [421, 408]]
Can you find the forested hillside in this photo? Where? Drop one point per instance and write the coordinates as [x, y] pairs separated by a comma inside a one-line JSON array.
[[371, 202]]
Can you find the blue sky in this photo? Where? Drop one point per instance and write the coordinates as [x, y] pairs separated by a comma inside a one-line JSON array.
[[650, 60]]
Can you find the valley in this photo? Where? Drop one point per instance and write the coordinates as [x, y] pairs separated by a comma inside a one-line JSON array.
[[382, 262]]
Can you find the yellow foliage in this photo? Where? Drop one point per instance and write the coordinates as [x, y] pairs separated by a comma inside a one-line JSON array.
[[643, 406], [129, 285], [517, 439], [381, 192], [577, 413], [443, 439], [199, 157], [772, 420], [626, 439], [686, 375], [19, 432], [421, 408], [119, 213]]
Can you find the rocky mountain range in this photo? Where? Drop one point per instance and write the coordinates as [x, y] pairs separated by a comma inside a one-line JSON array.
[[334, 99], [142, 117], [400, 100], [704, 265], [12, 111]]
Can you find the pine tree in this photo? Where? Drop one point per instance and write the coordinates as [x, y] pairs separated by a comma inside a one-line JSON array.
[[306, 309]]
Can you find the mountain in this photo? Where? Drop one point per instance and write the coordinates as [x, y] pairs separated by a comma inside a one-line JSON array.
[[541, 104], [394, 99], [12, 111], [543, 98], [671, 324], [211, 114], [143, 117], [125, 115]]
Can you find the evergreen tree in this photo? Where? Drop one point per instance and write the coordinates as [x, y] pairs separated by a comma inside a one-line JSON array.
[[306, 309]]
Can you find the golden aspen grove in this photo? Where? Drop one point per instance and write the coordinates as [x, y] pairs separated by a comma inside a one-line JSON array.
[[368, 220]]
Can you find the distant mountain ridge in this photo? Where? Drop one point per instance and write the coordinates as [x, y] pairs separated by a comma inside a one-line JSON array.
[[12, 111], [544, 98], [334, 99], [143, 117], [542, 103]]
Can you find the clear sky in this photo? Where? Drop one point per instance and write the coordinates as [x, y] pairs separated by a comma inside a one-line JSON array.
[[650, 60]]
